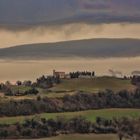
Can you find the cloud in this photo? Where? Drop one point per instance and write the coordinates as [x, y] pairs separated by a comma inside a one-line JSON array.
[[38, 12], [37, 21], [34, 11], [44, 34], [94, 5]]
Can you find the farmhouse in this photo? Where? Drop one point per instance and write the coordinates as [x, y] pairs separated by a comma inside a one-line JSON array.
[[59, 74]]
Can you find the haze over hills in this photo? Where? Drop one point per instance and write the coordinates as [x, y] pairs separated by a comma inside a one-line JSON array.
[[80, 48]]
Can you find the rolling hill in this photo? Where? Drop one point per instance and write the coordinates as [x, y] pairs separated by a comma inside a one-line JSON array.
[[81, 48], [94, 85]]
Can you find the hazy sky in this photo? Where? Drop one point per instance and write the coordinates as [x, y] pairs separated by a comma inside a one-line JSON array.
[[35, 21]]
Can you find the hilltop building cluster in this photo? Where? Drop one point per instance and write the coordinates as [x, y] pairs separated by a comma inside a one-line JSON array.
[[71, 75]]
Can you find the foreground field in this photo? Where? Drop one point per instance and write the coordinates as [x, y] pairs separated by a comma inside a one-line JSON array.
[[89, 115], [94, 84], [83, 137]]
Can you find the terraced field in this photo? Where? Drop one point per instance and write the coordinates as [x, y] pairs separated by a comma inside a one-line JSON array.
[[90, 115]]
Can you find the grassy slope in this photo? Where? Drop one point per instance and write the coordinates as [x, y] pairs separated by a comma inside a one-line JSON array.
[[94, 85], [20, 88], [84, 137], [89, 115], [69, 86]]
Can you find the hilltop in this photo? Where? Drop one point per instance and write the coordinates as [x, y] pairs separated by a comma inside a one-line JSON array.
[[93, 84]]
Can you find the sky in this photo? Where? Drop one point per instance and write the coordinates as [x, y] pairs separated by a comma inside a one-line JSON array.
[[39, 21]]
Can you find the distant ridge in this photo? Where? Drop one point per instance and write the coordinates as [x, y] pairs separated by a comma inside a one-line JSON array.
[[79, 48]]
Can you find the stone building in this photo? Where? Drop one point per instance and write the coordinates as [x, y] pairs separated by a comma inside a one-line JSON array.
[[59, 74]]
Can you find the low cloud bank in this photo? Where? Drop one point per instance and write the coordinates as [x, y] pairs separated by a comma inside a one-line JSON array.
[[56, 33]]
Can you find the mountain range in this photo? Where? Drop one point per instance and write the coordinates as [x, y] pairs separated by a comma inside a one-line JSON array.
[[95, 48]]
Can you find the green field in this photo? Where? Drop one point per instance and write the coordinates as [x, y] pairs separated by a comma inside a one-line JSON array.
[[84, 137], [20, 88], [89, 115], [94, 84]]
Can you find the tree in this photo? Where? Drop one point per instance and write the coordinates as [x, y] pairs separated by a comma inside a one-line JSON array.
[[3, 133], [27, 83], [7, 83], [19, 83], [8, 92], [93, 74]]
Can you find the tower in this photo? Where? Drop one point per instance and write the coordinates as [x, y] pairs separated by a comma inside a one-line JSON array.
[[54, 73]]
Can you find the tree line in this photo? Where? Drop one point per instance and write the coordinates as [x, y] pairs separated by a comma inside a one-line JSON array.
[[77, 102], [44, 82], [41, 127], [82, 73]]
